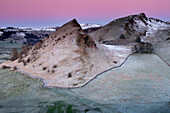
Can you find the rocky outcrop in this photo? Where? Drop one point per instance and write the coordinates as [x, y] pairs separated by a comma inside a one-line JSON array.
[[130, 28], [84, 40]]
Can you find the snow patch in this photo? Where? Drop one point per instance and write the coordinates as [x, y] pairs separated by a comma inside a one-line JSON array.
[[140, 23], [87, 26], [117, 52], [43, 29], [115, 47], [152, 27], [20, 34], [3, 27]]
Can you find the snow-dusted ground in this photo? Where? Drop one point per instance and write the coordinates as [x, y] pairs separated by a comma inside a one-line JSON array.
[[117, 47], [152, 27], [117, 53], [86, 26]]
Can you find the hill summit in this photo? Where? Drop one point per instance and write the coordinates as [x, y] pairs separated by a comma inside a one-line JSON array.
[[127, 29]]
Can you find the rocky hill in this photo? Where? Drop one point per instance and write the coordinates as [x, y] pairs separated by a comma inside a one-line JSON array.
[[69, 57], [128, 29]]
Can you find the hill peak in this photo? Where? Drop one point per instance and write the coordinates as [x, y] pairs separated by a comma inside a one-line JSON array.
[[72, 23], [143, 15]]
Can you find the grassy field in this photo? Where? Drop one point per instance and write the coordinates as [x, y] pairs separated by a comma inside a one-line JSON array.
[[22, 94], [163, 50], [141, 85], [5, 49], [137, 86]]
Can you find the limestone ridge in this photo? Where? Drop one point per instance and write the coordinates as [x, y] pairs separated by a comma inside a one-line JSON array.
[[69, 25], [81, 39], [69, 57], [129, 29]]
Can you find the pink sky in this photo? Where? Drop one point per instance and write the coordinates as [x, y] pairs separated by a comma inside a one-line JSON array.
[[38, 13]]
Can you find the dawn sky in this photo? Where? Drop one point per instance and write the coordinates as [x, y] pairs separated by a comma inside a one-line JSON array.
[[46, 13]]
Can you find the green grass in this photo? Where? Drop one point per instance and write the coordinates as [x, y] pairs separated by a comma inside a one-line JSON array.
[[24, 93], [62, 107]]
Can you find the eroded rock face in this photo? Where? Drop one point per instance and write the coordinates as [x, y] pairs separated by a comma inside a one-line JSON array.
[[84, 40]]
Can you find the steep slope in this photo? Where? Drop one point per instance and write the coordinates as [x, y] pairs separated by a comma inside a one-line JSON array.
[[69, 57], [128, 29]]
